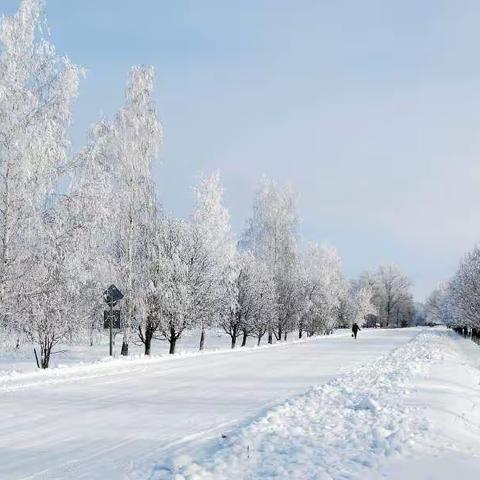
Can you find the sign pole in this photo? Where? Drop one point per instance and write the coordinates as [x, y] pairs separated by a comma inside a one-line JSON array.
[[111, 296], [111, 328]]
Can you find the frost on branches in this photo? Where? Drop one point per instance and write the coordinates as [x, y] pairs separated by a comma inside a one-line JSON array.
[[116, 200], [37, 87], [271, 236], [250, 304], [392, 297], [456, 303], [324, 289], [60, 247], [214, 251]]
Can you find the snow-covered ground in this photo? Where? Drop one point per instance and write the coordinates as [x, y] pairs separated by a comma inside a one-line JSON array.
[[394, 404], [415, 413], [23, 359]]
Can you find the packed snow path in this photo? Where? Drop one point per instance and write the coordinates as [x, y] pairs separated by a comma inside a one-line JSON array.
[[104, 423]]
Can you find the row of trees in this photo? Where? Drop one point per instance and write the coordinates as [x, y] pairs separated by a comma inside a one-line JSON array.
[[456, 302], [70, 225]]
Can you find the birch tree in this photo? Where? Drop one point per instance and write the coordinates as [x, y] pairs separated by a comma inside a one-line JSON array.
[[324, 288], [359, 303], [214, 251], [271, 235], [93, 192], [250, 306], [392, 296], [173, 281], [115, 195], [136, 142], [37, 86], [262, 315], [54, 310]]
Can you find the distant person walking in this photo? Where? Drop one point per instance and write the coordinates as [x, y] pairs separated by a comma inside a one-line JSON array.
[[355, 329]]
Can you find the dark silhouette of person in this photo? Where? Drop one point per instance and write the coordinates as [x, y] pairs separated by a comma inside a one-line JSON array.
[[355, 329]]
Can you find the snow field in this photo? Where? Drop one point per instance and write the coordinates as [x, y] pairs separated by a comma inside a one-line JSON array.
[[14, 361], [12, 379], [343, 429]]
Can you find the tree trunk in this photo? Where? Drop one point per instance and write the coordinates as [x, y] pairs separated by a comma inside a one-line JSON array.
[[279, 336], [285, 336], [45, 352], [173, 343], [124, 350], [148, 341], [234, 335], [244, 339], [300, 332], [259, 339], [202, 338], [270, 337]]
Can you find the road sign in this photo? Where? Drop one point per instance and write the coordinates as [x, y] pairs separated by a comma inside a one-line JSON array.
[[112, 295], [111, 319], [115, 319]]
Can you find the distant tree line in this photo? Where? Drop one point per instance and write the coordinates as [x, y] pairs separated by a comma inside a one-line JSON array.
[[456, 303]]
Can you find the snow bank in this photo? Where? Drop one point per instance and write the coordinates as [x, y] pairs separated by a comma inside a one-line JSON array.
[[22, 359], [341, 430], [450, 394]]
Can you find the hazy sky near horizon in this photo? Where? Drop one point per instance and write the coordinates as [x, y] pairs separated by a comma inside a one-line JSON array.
[[371, 110]]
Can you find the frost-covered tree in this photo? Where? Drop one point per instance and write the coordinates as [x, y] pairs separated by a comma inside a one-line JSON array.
[[173, 280], [392, 297], [37, 87], [463, 302], [271, 235], [324, 288], [436, 305], [263, 313], [138, 135], [249, 301], [157, 264], [404, 312], [191, 268], [234, 301], [289, 301], [215, 251], [358, 303], [115, 194], [93, 193], [54, 309]]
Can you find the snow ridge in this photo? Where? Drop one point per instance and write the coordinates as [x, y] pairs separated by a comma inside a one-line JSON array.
[[339, 430]]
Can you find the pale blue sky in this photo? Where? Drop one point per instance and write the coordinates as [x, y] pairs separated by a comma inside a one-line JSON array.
[[371, 109]]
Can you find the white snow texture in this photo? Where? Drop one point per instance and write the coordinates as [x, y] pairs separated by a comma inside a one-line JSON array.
[[340, 430]]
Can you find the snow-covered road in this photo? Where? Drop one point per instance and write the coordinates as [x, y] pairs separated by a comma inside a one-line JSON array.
[[117, 421], [414, 413]]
